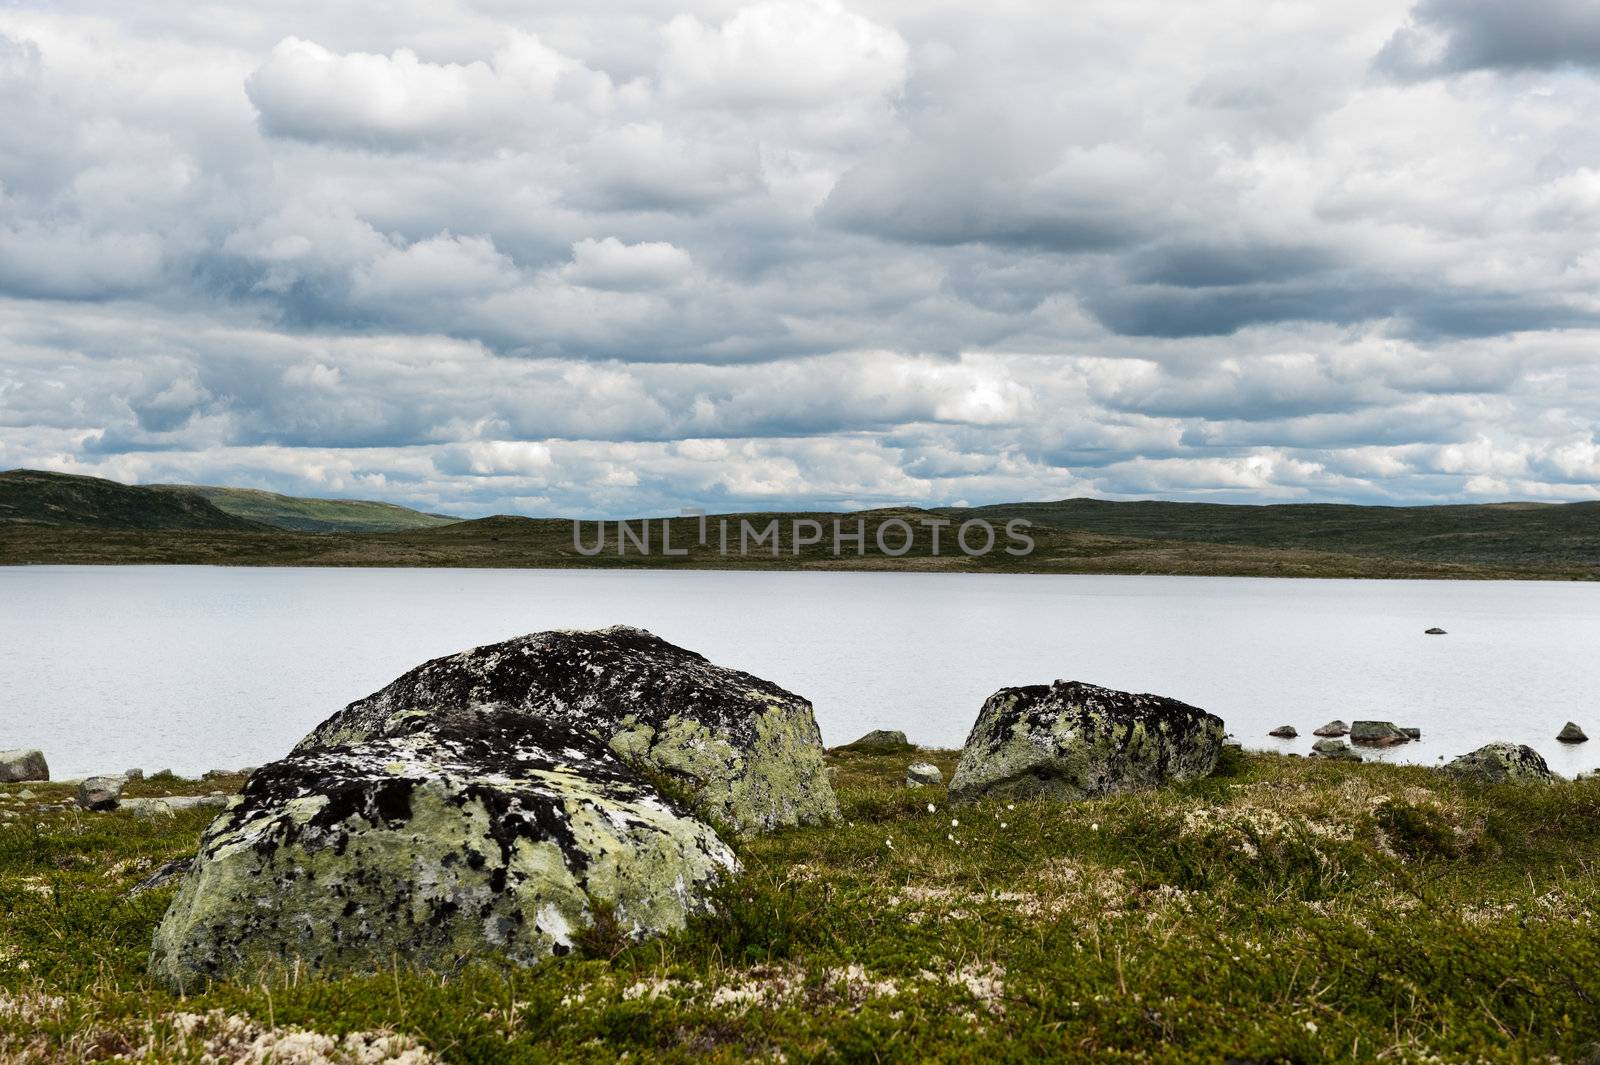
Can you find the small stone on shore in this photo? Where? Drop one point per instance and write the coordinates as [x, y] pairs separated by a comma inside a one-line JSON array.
[[923, 774]]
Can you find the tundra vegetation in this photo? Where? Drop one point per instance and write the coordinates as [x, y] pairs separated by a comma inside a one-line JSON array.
[[1280, 909]]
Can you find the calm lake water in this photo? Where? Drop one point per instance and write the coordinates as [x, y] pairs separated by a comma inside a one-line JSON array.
[[195, 668]]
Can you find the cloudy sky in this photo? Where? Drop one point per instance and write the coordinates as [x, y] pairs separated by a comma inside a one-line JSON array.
[[804, 252]]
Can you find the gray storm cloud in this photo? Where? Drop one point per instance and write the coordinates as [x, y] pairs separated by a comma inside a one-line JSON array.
[[805, 252]]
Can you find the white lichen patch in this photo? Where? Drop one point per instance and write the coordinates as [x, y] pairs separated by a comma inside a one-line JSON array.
[[215, 1037]]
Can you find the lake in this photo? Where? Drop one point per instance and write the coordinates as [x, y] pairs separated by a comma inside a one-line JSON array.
[[192, 668]]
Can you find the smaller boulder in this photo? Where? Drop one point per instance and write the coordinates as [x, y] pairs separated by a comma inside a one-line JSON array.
[[880, 741], [1284, 732], [1571, 733], [1332, 728], [1412, 732], [101, 793], [1338, 750], [1499, 763], [1377, 733], [1434, 632], [17, 766], [133, 774], [923, 774]]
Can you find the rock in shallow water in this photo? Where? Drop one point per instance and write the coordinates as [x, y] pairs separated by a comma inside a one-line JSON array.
[[1074, 740], [1498, 763], [1336, 749], [1571, 733], [18, 766], [748, 750], [1377, 733], [466, 838], [1332, 728], [1284, 732]]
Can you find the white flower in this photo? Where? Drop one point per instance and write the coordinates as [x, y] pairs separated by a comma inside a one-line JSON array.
[[889, 843], [1311, 1026], [932, 808], [951, 836], [954, 823], [1011, 806], [1002, 824]]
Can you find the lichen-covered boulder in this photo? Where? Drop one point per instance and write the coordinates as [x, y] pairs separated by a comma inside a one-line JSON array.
[[18, 766], [747, 750], [467, 839], [1073, 740], [923, 775], [1499, 763]]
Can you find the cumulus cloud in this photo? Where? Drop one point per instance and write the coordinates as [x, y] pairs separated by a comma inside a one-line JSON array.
[[307, 91], [804, 252]]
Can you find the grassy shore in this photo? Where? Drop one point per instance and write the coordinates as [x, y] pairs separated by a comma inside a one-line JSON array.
[[1282, 910]]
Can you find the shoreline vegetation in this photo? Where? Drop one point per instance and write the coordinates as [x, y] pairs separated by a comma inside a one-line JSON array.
[[1281, 909], [57, 519]]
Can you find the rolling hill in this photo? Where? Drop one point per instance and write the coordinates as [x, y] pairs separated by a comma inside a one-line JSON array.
[[299, 514], [33, 497]]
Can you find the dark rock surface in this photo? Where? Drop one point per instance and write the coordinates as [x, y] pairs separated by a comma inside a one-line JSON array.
[[476, 836], [1074, 740], [748, 750], [1571, 733], [1332, 728], [1284, 732]]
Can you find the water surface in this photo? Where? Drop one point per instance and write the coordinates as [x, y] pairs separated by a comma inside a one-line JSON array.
[[192, 668]]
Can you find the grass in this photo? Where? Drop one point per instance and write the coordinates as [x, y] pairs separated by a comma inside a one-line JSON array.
[[1281, 910]]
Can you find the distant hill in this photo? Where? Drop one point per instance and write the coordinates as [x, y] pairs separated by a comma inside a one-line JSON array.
[[55, 518], [37, 497], [34, 497], [1488, 534], [299, 514]]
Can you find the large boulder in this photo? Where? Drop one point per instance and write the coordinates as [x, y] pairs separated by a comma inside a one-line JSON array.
[[17, 766], [1073, 740], [1499, 763], [747, 750], [474, 837]]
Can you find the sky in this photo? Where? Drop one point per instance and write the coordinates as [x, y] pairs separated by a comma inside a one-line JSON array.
[[601, 260]]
